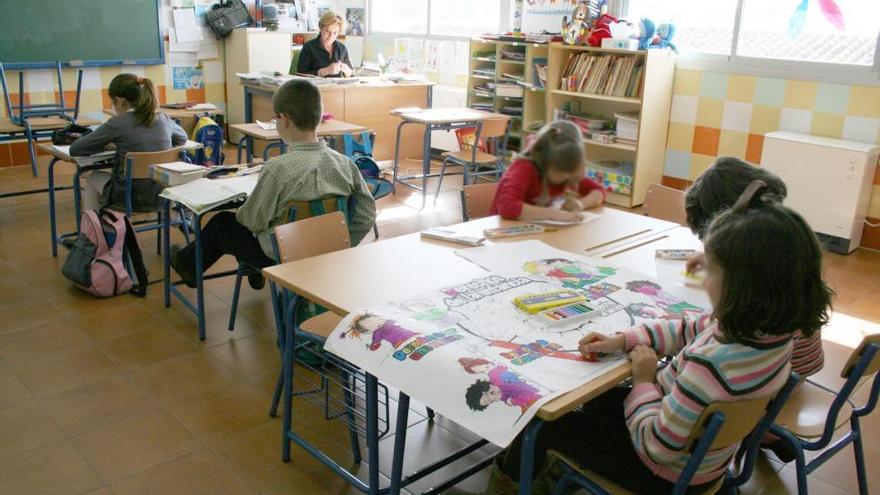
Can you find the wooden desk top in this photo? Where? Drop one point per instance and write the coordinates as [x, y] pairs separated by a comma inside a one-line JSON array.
[[43, 124], [638, 255], [448, 115], [364, 83], [174, 113], [383, 271], [54, 152], [329, 128]]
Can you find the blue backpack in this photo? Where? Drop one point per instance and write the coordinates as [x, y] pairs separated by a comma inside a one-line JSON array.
[[210, 135], [362, 154]]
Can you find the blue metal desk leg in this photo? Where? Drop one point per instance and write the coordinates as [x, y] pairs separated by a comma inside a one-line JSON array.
[[399, 443], [200, 278], [166, 260], [426, 162], [30, 140], [527, 459], [249, 117], [52, 226], [373, 433], [287, 376], [77, 197], [396, 157]]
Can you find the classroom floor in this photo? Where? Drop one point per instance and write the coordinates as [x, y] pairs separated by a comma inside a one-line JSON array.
[[119, 396]]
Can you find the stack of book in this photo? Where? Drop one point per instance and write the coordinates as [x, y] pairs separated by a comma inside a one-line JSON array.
[[513, 55], [539, 73], [486, 90], [627, 127], [486, 107], [509, 90], [490, 73], [609, 75], [172, 174]]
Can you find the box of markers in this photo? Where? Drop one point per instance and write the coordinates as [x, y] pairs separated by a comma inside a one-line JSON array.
[[534, 303], [566, 315]]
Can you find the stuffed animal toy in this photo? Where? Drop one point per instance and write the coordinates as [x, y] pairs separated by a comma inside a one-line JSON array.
[[646, 33], [665, 32], [576, 31], [601, 29]]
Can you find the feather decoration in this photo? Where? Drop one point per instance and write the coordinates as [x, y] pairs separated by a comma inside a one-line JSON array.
[[832, 12], [797, 19]]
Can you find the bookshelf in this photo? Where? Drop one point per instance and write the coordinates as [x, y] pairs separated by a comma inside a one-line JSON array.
[[650, 104], [493, 63]]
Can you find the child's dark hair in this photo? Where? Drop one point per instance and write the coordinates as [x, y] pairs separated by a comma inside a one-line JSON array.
[[558, 144], [720, 186], [140, 93], [772, 282], [300, 101], [474, 394]]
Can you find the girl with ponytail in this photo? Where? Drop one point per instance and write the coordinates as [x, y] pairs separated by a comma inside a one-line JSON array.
[[551, 167], [136, 127]]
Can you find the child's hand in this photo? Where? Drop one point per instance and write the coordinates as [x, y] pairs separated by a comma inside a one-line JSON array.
[[644, 364], [695, 263], [572, 204], [564, 216], [598, 342]]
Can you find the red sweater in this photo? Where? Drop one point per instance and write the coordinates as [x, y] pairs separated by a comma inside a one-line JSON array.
[[522, 184]]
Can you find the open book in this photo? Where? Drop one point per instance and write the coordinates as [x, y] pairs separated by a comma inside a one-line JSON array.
[[205, 194], [86, 160]]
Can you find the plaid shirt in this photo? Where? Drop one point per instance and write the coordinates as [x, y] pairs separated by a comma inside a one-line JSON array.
[[306, 172]]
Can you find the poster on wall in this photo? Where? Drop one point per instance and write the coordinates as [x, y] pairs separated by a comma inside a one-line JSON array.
[[188, 78], [354, 21], [550, 6]]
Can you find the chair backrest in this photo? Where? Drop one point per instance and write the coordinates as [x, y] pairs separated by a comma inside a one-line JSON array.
[[476, 200], [312, 237], [494, 128], [856, 356], [300, 210], [742, 416], [665, 203], [138, 163]]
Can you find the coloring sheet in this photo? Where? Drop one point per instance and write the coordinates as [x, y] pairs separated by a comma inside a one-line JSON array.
[[470, 354]]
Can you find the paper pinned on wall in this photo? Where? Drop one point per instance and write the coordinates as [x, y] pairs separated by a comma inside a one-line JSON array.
[[183, 3], [432, 55], [401, 48], [208, 45], [182, 59], [416, 55], [462, 56], [174, 45], [446, 58], [185, 27]]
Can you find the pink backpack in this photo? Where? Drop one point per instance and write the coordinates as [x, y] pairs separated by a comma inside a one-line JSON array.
[[97, 261]]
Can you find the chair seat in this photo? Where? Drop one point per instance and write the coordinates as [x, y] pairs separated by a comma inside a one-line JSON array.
[[379, 188], [321, 325], [464, 156], [805, 412], [610, 486]]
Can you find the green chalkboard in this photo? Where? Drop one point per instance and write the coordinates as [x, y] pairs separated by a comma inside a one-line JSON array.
[[38, 33]]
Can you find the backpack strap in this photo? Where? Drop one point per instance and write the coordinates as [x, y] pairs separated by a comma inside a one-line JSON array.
[[93, 217], [137, 261]]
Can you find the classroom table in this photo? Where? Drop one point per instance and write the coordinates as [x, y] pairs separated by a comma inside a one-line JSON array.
[[250, 132], [384, 271], [35, 128], [59, 156], [433, 119], [183, 116], [367, 102]]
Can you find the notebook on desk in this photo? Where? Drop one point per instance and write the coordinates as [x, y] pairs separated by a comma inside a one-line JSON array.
[[85, 160], [203, 195]]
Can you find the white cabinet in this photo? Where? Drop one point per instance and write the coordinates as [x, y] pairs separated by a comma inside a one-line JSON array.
[[829, 183]]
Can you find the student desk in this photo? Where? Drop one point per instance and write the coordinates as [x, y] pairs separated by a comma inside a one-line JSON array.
[[367, 102], [253, 131], [183, 116], [394, 262], [434, 119], [36, 128], [59, 156]]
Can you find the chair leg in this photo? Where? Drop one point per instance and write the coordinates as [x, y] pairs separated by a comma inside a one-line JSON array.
[[159, 234], [858, 450], [440, 179], [801, 471], [31, 141], [239, 273], [349, 396], [276, 397], [375, 231], [431, 414]]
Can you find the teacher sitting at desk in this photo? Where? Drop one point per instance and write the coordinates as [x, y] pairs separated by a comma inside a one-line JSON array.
[[324, 56]]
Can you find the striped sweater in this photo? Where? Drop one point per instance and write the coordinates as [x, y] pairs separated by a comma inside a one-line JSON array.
[[807, 358], [661, 415]]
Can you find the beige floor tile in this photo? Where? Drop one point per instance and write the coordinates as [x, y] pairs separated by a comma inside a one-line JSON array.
[[23, 314], [217, 414], [135, 444], [64, 371], [95, 405], [250, 357], [199, 473], [112, 321], [53, 469], [786, 482], [184, 376], [25, 427], [40, 341], [146, 347], [12, 389]]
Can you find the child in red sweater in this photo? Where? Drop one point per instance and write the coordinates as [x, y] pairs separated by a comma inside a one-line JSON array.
[[553, 166]]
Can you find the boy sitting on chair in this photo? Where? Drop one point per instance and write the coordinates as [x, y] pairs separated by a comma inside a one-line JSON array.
[[308, 171]]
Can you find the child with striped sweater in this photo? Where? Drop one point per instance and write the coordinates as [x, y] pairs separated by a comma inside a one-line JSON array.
[[763, 277]]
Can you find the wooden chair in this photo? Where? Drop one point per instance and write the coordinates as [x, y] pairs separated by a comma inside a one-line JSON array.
[[810, 420], [721, 425], [476, 200], [296, 210], [665, 203], [471, 156], [137, 166]]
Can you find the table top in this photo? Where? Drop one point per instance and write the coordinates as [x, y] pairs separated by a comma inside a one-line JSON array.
[[379, 272], [364, 83], [175, 113], [328, 128], [448, 115], [44, 124], [56, 153]]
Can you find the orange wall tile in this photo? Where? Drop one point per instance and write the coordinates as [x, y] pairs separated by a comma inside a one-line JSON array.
[[871, 235], [706, 140], [754, 147]]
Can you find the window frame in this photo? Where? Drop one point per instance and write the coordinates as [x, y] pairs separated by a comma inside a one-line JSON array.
[[867, 75]]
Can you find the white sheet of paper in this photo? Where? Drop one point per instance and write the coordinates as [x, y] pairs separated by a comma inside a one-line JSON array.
[[182, 59], [188, 35], [588, 217], [184, 18], [176, 46]]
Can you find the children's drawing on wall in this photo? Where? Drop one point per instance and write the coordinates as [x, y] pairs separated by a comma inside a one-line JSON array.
[[549, 6], [497, 385], [188, 78], [354, 21], [378, 330], [672, 304], [571, 274]]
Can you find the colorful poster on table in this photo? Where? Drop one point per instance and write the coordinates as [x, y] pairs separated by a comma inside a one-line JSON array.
[[468, 352]]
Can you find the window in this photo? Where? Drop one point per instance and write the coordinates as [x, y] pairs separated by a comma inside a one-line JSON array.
[[794, 36], [458, 18]]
